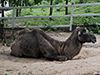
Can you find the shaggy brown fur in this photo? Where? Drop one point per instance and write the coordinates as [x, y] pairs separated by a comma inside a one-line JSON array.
[[37, 43]]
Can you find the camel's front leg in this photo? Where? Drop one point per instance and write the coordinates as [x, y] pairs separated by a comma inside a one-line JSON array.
[[60, 58], [47, 49]]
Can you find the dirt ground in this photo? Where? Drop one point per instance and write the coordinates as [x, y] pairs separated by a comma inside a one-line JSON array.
[[86, 63]]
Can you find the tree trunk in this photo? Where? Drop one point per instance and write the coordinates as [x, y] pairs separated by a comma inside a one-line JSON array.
[[66, 10], [51, 9], [17, 12], [20, 9], [2, 1], [2, 35]]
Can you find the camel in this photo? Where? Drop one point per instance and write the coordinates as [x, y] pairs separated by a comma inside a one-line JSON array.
[[36, 44]]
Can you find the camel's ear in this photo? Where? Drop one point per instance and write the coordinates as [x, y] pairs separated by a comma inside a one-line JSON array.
[[86, 29], [79, 33]]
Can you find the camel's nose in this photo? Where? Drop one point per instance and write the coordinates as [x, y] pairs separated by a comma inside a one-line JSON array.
[[93, 38]]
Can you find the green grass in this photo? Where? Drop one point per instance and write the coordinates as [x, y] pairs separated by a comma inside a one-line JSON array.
[[58, 11]]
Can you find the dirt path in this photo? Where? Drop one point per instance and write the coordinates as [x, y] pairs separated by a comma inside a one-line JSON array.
[[86, 63]]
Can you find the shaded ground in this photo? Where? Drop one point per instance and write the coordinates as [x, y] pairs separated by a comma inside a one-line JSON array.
[[86, 63]]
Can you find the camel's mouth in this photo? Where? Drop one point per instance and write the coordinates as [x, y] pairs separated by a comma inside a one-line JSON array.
[[93, 38]]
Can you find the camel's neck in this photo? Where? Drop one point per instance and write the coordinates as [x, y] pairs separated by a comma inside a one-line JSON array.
[[73, 40], [70, 47], [73, 46]]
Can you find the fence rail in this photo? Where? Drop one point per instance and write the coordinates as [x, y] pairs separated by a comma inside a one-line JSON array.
[[71, 15]]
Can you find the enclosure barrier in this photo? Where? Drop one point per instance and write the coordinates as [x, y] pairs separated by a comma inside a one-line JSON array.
[[50, 6]]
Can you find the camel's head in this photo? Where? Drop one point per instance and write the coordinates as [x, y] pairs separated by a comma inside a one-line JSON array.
[[84, 36]]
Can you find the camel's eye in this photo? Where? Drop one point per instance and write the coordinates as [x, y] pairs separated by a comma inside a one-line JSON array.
[[84, 30]]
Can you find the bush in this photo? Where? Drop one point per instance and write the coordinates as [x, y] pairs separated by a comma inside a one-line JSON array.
[[87, 10], [45, 3], [27, 12], [74, 1], [57, 1], [98, 0], [92, 28], [69, 0]]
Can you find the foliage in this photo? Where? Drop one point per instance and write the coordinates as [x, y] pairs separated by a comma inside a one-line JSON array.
[[47, 24], [31, 2], [98, 0], [86, 20], [84, 1], [15, 2], [59, 11], [44, 3], [48, 30], [57, 1], [87, 10], [93, 28], [24, 2], [74, 1], [37, 1]]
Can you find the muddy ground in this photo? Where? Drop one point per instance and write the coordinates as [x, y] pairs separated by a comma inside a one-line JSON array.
[[86, 63]]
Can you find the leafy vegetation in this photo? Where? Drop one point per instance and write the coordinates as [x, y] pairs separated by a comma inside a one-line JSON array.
[[91, 20]]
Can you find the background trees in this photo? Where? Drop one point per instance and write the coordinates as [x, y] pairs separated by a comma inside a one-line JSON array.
[[16, 3]]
